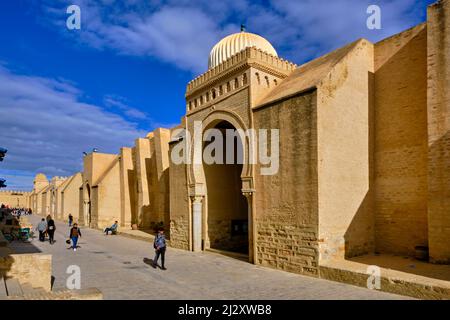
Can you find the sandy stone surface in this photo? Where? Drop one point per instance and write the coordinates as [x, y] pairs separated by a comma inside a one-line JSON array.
[[117, 266]]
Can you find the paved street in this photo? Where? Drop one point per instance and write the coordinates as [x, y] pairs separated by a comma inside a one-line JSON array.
[[116, 265]]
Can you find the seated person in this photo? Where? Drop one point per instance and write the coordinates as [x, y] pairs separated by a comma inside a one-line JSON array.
[[112, 229]]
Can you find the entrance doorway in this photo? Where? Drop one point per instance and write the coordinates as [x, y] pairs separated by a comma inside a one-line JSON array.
[[227, 209]]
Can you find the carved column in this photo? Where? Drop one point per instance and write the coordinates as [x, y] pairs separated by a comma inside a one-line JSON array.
[[197, 212], [248, 194]]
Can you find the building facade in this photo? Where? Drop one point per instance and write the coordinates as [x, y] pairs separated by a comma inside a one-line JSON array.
[[15, 199], [363, 148]]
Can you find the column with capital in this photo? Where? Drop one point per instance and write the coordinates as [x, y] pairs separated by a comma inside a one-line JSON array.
[[197, 211], [248, 194]]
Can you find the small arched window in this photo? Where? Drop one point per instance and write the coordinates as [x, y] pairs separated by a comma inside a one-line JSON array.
[[236, 83], [258, 79], [207, 97], [267, 82], [213, 93], [220, 90], [244, 79], [228, 86], [275, 82]]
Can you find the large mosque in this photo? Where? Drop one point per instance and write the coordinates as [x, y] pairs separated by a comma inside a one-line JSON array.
[[364, 156]]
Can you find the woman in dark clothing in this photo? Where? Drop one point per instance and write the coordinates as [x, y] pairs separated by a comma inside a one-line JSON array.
[[51, 229]]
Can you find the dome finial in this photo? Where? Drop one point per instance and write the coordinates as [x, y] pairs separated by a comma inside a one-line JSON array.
[[242, 27]]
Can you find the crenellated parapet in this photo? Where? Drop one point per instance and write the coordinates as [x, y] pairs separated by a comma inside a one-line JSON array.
[[58, 178], [15, 192], [250, 56], [216, 81]]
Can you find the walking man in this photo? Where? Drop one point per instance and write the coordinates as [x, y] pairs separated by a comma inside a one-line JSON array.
[[42, 227], [160, 248], [51, 230], [75, 233], [70, 219]]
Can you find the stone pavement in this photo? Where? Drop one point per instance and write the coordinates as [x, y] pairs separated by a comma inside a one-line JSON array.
[[118, 266]]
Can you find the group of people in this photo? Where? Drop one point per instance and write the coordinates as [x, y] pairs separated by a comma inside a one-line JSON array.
[[7, 212], [48, 227], [21, 212]]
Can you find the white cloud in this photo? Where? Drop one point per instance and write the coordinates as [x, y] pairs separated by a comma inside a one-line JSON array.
[[45, 126], [18, 179], [182, 32], [179, 33], [120, 104], [310, 28]]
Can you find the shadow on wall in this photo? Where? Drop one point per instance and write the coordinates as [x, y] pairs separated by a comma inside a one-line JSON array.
[[362, 239], [157, 210], [132, 194], [360, 246], [360, 234], [166, 209]]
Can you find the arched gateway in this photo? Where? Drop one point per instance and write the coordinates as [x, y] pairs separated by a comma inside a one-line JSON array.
[[220, 194]]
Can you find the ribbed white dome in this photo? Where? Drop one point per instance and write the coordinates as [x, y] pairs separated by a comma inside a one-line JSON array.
[[235, 43], [40, 177]]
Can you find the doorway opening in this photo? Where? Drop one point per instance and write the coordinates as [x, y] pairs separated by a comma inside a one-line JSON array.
[[227, 209]]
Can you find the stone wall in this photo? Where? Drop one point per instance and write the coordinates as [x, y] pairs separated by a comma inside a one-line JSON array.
[[45, 209], [58, 214], [109, 201], [128, 215], [35, 269], [439, 131], [159, 177], [143, 169], [15, 199], [70, 197], [401, 142], [343, 138], [286, 204], [179, 205], [96, 167], [152, 174]]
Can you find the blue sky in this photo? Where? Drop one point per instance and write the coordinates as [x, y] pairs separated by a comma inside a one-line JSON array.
[[124, 73]]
